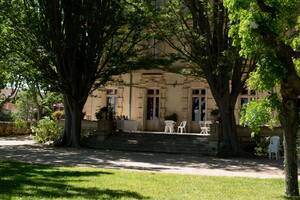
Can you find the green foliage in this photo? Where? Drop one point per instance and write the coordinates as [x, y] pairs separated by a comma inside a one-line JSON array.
[[26, 107], [49, 99], [109, 36], [257, 113], [173, 26], [19, 55], [261, 148], [46, 130], [6, 116], [57, 115], [20, 123], [32, 104], [267, 75], [105, 113], [271, 29], [250, 25], [215, 112], [297, 66]]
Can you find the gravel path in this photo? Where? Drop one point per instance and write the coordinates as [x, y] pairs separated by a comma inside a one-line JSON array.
[[24, 149]]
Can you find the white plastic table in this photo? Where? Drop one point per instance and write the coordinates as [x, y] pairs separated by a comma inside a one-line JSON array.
[[169, 126]]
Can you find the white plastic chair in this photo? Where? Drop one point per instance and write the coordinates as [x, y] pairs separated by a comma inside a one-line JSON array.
[[205, 127], [169, 126], [274, 147], [181, 127]]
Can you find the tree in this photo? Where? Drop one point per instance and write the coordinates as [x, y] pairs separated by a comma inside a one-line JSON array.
[[8, 81], [18, 52], [86, 42], [198, 31], [33, 104], [271, 28], [9, 71]]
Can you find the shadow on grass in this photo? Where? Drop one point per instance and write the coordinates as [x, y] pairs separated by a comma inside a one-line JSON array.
[[291, 198], [41, 181]]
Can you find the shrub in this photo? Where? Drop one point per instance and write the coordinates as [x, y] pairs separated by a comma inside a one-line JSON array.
[[215, 112], [105, 113], [21, 124], [6, 116], [261, 145], [46, 130], [59, 114], [173, 117]]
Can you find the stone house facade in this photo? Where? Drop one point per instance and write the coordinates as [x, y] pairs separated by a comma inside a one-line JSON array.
[[148, 96]]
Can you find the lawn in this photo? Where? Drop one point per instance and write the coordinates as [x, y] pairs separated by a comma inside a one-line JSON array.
[[26, 181]]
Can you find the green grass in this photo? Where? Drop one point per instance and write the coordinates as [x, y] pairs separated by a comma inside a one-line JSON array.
[[25, 181]]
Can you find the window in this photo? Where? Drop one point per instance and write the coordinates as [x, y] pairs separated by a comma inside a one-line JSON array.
[[246, 96], [111, 92], [152, 104], [111, 99], [198, 104]]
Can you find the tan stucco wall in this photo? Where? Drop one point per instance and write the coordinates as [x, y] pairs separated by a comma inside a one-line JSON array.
[[175, 97]]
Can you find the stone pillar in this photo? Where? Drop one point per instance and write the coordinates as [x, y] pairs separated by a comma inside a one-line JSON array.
[[104, 129], [215, 137]]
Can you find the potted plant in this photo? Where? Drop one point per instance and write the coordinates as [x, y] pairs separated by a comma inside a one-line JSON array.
[[105, 117], [215, 115], [172, 117]]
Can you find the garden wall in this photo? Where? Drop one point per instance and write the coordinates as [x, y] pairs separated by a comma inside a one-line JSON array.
[[244, 136], [87, 126], [10, 129], [244, 133]]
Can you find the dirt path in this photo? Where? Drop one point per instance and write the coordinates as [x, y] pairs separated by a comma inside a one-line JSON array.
[[24, 149]]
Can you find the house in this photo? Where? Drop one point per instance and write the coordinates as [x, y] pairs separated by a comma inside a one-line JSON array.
[[148, 96], [8, 94]]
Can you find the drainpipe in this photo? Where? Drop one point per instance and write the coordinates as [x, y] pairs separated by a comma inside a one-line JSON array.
[[130, 94]]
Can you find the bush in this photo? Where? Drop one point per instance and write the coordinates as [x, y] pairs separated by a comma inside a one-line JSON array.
[[215, 112], [6, 116], [261, 145], [21, 124], [105, 113], [46, 130], [59, 114], [173, 117]]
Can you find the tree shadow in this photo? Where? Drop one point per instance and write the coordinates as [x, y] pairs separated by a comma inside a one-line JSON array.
[[291, 198], [42, 181], [131, 160]]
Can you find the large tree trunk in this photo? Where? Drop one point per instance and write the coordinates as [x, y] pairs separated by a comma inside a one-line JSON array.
[[289, 121], [228, 126], [226, 100], [73, 115]]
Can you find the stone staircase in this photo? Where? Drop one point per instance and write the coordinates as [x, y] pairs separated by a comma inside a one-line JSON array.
[[155, 142]]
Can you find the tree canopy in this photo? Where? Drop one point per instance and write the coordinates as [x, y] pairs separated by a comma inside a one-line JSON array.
[[85, 42], [270, 29]]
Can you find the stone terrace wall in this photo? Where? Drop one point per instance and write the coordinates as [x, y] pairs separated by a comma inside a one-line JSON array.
[[10, 129], [244, 134]]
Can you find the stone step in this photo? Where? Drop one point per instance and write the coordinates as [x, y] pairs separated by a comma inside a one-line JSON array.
[[167, 143]]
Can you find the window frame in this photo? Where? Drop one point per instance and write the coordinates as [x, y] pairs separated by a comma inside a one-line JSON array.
[[155, 111], [202, 93]]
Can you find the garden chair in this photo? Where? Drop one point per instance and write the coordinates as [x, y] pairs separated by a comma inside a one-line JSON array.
[[182, 127], [273, 147], [205, 127]]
